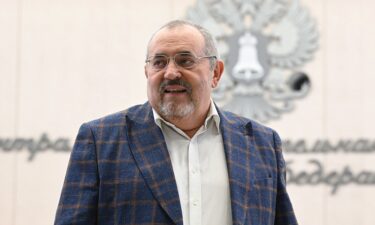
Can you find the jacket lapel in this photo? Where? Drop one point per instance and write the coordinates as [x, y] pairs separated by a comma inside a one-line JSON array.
[[239, 162], [151, 155]]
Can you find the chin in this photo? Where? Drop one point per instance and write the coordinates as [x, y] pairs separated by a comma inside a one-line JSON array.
[[176, 110]]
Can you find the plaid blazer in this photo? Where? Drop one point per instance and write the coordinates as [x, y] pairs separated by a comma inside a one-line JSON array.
[[120, 173]]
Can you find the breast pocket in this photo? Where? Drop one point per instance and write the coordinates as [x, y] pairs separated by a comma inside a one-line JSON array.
[[261, 201]]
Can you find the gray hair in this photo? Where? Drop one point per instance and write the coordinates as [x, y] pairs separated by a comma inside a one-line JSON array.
[[209, 42]]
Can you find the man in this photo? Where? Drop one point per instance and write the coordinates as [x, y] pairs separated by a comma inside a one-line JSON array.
[[177, 159]]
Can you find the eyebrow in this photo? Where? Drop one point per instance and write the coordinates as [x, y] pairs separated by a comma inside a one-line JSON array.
[[180, 52], [185, 52]]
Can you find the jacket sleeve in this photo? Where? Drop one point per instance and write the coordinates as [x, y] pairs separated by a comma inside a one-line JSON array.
[[79, 197], [284, 210]]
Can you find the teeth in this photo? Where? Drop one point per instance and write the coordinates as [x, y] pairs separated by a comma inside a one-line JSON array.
[[178, 91]]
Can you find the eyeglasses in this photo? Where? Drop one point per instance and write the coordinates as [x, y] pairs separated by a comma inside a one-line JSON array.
[[183, 60]]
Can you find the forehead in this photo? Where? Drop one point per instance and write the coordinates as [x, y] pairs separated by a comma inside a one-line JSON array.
[[177, 39]]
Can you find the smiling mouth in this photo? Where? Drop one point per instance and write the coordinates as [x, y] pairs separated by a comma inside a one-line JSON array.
[[175, 91], [175, 87]]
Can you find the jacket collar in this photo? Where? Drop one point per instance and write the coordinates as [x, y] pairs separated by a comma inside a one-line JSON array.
[[237, 132], [151, 155]]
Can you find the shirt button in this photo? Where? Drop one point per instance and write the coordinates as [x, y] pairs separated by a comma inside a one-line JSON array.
[[194, 171], [195, 202]]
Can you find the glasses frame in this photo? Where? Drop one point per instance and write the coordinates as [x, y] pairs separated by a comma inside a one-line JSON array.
[[197, 59]]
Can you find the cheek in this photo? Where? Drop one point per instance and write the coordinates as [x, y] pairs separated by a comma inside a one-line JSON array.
[[210, 82], [153, 83], [204, 86], [153, 92], [152, 88]]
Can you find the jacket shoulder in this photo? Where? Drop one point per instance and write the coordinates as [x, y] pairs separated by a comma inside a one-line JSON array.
[[119, 118], [253, 127]]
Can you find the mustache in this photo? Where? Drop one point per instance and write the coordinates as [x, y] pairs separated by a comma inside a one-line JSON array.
[[175, 82]]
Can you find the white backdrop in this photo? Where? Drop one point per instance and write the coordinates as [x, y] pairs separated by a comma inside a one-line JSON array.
[[64, 62]]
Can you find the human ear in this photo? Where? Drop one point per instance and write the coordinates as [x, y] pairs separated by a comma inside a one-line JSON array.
[[218, 71]]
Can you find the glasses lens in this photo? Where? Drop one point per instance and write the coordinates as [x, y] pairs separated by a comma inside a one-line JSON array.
[[159, 62], [185, 60]]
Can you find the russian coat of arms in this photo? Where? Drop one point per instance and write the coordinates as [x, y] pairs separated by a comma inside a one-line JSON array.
[[264, 44]]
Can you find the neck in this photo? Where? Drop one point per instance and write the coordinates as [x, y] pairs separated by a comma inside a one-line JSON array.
[[192, 131], [189, 124]]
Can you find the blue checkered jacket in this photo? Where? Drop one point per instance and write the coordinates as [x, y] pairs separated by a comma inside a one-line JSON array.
[[120, 173]]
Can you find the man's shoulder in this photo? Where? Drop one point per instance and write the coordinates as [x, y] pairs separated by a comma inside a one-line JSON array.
[[119, 118], [252, 126], [261, 134]]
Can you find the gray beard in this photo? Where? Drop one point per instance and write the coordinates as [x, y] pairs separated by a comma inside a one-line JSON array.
[[175, 110]]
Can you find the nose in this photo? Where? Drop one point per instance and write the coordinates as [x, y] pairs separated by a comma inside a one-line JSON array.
[[171, 71]]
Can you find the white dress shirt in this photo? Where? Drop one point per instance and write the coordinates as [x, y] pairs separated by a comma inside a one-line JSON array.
[[200, 170]]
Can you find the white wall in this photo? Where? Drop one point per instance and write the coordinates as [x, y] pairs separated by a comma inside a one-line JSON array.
[[66, 62]]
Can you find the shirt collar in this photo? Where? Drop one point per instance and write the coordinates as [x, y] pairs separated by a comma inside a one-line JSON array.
[[212, 114]]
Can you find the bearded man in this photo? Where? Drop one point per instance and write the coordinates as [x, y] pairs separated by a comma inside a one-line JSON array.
[[178, 158]]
